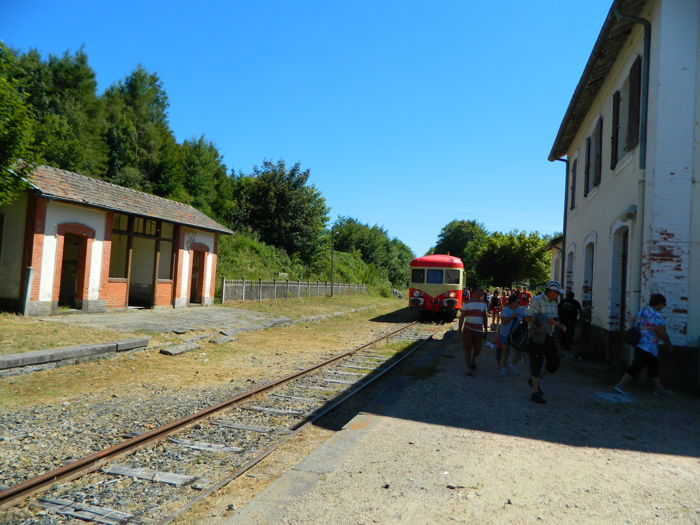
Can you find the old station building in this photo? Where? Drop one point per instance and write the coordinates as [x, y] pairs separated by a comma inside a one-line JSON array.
[[632, 218], [75, 242]]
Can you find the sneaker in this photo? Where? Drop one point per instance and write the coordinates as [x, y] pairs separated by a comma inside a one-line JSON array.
[[513, 370], [621, 390], [663, 392], [504, 372], [537, 398]]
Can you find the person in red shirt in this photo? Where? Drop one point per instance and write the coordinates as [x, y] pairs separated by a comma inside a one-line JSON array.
[[525, 297]]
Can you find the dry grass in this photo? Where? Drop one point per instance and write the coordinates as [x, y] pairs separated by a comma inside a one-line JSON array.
[[308, 307], [263, 354], [24, 334]]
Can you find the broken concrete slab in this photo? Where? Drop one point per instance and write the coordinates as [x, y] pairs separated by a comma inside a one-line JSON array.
[[130, 344], [179, 349], [56, 354]]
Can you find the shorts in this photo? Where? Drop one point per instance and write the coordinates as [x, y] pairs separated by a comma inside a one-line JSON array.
[[545, 353]]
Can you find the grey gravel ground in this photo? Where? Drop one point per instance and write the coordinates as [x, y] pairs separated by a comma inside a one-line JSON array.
[[440, 447]]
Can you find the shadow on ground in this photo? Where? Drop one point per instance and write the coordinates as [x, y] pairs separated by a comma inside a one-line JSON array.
[[432, 387], [404, 315]]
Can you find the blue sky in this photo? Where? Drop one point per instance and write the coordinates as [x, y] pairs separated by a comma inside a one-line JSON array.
[[409, 114]]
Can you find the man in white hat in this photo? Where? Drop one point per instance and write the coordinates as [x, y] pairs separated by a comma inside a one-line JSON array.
[[542, 350]]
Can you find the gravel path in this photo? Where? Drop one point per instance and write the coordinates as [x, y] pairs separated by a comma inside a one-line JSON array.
[[440, 447]]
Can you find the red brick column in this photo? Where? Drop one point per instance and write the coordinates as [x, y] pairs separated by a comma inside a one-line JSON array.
[[34, 240]]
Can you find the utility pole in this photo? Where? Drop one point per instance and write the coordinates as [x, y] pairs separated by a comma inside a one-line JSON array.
[[332, 259]]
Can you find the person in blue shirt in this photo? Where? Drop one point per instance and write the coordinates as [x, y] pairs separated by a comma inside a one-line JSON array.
[[652, 329]]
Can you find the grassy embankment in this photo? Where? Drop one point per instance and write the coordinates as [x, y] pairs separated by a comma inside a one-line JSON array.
[[243, 256]]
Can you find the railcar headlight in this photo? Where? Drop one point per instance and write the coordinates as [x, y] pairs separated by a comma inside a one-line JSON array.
[[451, 294], [416, 293]]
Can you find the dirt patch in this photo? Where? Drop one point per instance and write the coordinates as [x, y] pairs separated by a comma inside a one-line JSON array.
[[255, 355]]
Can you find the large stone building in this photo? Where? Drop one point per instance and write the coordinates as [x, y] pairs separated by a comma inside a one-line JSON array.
[[630, 140], [80, 243]]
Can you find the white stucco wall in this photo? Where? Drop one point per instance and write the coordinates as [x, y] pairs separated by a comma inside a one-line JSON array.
[[11, 250], [59, 213], [665, 233], [593, 219]]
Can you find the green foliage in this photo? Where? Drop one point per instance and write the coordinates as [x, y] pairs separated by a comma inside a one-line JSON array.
[[514, 256], [279, 205], [62, 94], [244, 255], [50, 110], [466, 240], [387, 258], [16, 131]]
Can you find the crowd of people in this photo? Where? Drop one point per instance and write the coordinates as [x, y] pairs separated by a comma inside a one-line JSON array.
[[542, 320]]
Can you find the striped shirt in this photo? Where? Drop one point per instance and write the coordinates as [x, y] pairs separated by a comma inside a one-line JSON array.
[[473, 312], [542, 310]]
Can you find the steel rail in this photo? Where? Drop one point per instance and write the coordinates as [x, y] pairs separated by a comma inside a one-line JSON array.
[[297, 429], [13, 495]]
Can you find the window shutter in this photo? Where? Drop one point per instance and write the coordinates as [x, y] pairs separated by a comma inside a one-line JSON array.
[[615, 138], [572, 192], [634, 105], [598, 167], [587, 168]]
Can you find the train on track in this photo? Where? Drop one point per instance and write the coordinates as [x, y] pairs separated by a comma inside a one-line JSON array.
[[436, 286]]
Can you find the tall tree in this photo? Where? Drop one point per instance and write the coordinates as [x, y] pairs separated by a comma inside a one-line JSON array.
[[204, 170], [62, 94], [463, 239], [143, 151], [16, 130], [514, 256], [285, 211]]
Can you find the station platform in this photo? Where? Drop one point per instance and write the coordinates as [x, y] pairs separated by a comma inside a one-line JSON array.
[[436, 446]]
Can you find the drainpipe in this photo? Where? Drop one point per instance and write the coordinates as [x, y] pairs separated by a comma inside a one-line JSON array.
[[566, 206], [643, 118]]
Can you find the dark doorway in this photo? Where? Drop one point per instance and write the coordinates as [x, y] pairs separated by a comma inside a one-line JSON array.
[[141, 284], [197, 277], [70, 268], [623, 281]]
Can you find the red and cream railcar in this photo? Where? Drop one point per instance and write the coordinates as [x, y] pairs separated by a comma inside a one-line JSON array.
[[436, 286]]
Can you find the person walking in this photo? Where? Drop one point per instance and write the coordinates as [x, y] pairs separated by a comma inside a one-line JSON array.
[[542, 316], [495, 306], [473, 324], [570, 312], [652, 328], [510, 318]]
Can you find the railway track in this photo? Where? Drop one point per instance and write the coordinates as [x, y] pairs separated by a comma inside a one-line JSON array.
[[170, 468]]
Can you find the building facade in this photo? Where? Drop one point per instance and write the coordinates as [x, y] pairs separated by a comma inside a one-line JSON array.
[[629, 137], [80, 243]]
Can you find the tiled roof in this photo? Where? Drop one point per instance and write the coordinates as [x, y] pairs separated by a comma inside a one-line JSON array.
[[67, 186], [605, 52]]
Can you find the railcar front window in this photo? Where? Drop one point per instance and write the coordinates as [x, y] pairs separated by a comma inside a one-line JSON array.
[[452, 276], [434, 276], [417, 276]]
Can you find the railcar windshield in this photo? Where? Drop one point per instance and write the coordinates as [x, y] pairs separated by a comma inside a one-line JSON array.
[[417, 275], [434, 276], [452, 276]]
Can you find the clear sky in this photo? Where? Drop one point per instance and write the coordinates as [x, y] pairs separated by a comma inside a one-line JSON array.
[[408, 113]]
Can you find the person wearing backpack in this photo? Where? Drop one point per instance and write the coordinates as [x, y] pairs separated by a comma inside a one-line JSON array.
[[542, 317], [652, 328], [510, 318]]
